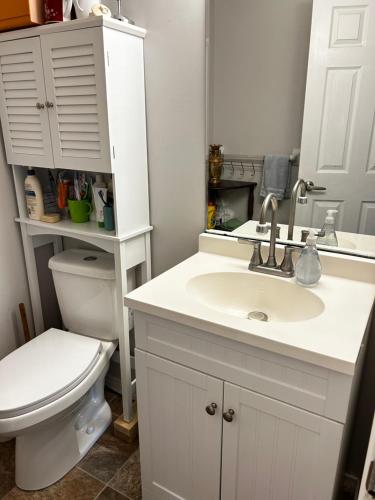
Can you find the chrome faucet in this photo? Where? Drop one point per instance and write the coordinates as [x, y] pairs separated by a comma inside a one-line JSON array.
[[302, 199], [269, 200], [286, 269]]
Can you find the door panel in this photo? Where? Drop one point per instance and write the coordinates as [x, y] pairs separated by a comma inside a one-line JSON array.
[[180, 443], [337, 149], [273, 451], [75, 84], [25, 127]]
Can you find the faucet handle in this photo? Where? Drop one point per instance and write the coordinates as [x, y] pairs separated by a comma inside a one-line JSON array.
[[306, 232], [256, 258], [287, 265]]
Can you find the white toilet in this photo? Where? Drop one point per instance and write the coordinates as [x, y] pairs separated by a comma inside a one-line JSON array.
[[52, 388]]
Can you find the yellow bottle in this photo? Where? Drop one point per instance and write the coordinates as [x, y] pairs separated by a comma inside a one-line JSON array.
[[211, 215]]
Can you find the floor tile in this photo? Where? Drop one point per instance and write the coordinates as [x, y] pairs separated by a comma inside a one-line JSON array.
[[102, 463], [107, 456], [128, 478], [109, 440], [6, 467], [76, 485], [110, 494]]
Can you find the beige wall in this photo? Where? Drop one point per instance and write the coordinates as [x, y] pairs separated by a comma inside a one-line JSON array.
[[259, 53], [13, 283]]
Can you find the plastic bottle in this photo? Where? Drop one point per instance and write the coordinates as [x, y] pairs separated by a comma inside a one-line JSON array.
[[99, 185], [329, 237], [211, 215], [34, 196], [308, 267]]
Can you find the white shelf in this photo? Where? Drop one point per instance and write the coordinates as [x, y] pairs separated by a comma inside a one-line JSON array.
[[74, 230]]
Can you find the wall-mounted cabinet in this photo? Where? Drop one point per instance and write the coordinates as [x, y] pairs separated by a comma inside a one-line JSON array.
[[62, 92]]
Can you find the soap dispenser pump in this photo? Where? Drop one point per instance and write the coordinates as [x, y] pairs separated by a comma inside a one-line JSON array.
[[308, 268], [329, 236]]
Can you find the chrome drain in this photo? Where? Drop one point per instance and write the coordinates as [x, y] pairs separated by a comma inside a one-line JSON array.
[[258, 315]]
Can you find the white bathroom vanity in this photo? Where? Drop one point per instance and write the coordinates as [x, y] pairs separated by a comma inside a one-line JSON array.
[[237, 408]]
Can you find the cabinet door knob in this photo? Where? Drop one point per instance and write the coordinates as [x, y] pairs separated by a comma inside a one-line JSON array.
[[211, 408], [228, 415], [39, 105], [49, 104]]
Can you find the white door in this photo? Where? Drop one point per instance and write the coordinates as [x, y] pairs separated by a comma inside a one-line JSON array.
[[367, 491], [180, 442], [338, 136], [76, 93], [24, 116], [272, 450]]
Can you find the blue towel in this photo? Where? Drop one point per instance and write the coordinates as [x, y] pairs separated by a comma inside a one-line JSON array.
[[276, 176]]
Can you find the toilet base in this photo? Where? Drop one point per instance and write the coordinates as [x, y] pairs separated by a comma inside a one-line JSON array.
[[47, 452]]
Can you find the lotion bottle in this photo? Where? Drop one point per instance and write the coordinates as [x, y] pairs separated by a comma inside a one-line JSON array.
[[308, 268], [34, 196]]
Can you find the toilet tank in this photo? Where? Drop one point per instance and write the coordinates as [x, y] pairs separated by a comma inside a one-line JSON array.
[[85, 288]]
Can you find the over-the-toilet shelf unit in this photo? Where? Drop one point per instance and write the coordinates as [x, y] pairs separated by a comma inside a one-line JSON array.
[[72, 97]]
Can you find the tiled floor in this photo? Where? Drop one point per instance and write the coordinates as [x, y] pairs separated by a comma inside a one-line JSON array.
[[110, 471]]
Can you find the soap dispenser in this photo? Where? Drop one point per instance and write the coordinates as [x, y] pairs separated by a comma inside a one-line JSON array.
[[329, 237], [308, 268]]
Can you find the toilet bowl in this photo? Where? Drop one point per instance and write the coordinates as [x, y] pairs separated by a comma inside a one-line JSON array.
[[52, 388]]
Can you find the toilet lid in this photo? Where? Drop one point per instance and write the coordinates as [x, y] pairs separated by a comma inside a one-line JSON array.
[[44, 369]]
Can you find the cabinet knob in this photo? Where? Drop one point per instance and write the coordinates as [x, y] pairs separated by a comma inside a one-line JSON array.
[[49, 104], [39, 105], [211, 408], [228, 415]]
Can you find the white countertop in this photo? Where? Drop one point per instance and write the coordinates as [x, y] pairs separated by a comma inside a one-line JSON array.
[[331, 340]]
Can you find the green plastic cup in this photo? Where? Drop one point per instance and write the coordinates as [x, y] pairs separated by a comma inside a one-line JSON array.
[[79, 210]]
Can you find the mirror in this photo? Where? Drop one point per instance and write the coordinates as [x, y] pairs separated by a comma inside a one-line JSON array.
[[290, 95]]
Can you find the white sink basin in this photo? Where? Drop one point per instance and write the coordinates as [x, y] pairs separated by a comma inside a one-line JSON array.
[[263, 297]]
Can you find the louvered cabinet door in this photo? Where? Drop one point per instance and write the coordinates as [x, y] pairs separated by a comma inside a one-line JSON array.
[[24, 117], [76, 93], [274, 451]]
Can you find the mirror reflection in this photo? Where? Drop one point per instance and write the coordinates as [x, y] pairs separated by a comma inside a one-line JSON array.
[[291, 111]]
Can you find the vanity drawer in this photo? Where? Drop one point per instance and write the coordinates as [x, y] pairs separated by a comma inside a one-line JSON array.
[[301, 384]]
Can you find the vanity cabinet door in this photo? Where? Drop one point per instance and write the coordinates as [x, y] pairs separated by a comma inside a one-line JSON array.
[[24, 116], [77, 103], [180, 441], [272, 450]]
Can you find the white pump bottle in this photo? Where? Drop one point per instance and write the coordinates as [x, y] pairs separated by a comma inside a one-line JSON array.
[[330, 237], [308, 268]]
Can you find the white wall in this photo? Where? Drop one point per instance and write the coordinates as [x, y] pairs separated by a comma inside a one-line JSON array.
[[13, 283], [175, 99], [260, 52]]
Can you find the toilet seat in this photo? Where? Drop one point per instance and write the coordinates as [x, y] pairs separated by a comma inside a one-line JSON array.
[[44, 369]]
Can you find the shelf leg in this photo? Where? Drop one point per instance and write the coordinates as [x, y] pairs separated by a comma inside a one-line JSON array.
[[146, 265], [122, 321], [32, 276]]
